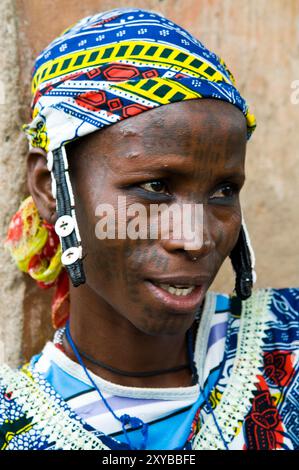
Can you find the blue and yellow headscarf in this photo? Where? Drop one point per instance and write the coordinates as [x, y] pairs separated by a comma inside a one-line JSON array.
[[106, 68], [117, 64]]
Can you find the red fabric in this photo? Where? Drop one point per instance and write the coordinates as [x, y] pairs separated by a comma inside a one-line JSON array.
[[61, 301], [279, 367]]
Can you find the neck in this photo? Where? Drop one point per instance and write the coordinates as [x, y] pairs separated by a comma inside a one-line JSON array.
[[100, 332]]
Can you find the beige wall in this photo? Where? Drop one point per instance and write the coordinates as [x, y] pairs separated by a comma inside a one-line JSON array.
[[259, 40], [12, 286]]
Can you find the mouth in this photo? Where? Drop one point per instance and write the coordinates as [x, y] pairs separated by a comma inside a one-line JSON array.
[[176, 289], [180, 295]]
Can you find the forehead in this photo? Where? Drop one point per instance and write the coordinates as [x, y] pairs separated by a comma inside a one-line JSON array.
[[192, 128], [192, 117]]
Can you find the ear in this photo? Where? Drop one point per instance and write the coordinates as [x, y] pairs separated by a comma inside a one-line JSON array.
[[39, 184]]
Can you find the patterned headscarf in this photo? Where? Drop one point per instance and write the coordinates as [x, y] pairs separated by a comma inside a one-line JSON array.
[[104, 69]]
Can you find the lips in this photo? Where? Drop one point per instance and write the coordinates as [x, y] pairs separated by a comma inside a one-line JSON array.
[[177, 290], [180, 294]]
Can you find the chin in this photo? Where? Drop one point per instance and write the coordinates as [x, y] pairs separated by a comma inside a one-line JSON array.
[[162, 323]]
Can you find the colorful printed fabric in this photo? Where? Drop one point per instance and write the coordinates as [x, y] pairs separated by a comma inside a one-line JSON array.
[[115, 65], [247, 361], [36, 249]]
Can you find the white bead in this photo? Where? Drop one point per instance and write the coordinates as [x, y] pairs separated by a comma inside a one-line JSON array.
[[65, 162], [64, 225], [50, 161], [71, 255], [69, 187], [76, 226]]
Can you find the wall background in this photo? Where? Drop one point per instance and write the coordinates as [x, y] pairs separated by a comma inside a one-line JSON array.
[[259, 40]]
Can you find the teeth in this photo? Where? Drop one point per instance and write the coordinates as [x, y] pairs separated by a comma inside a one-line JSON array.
[[177, 290]]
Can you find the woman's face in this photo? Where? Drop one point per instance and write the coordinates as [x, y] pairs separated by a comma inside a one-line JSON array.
[[190, 152]]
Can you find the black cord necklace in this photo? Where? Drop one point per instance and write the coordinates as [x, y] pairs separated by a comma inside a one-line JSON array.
[[133, 421], [153, 373]]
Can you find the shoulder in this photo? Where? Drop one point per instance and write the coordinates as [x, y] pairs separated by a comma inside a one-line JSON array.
[[4, 394], [282, 304], [285, 304], [10, 387], [283, 325], [281, 314], [281, 359], [19, 430], [277, 308], [281, 339], [13, 421], [7, 376]]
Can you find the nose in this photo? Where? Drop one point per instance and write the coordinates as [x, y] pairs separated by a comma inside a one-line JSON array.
[[174, 245], [194, 251]]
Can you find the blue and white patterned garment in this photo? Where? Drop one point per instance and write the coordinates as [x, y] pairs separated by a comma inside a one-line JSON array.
[[166, 409]]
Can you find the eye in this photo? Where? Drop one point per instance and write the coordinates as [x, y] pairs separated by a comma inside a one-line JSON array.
[[225, 191], [156, 186]]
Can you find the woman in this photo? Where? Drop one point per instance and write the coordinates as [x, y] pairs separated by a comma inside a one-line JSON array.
[[145, 356]]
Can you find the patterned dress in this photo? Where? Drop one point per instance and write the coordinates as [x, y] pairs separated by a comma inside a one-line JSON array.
[[247, 396]]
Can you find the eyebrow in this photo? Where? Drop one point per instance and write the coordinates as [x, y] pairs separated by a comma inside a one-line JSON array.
[[178, 167]]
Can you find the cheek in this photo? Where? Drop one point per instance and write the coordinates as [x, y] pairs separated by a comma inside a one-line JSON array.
[[226, 223], [113, 272], [107, 262], [100, 256], [234, 229]]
